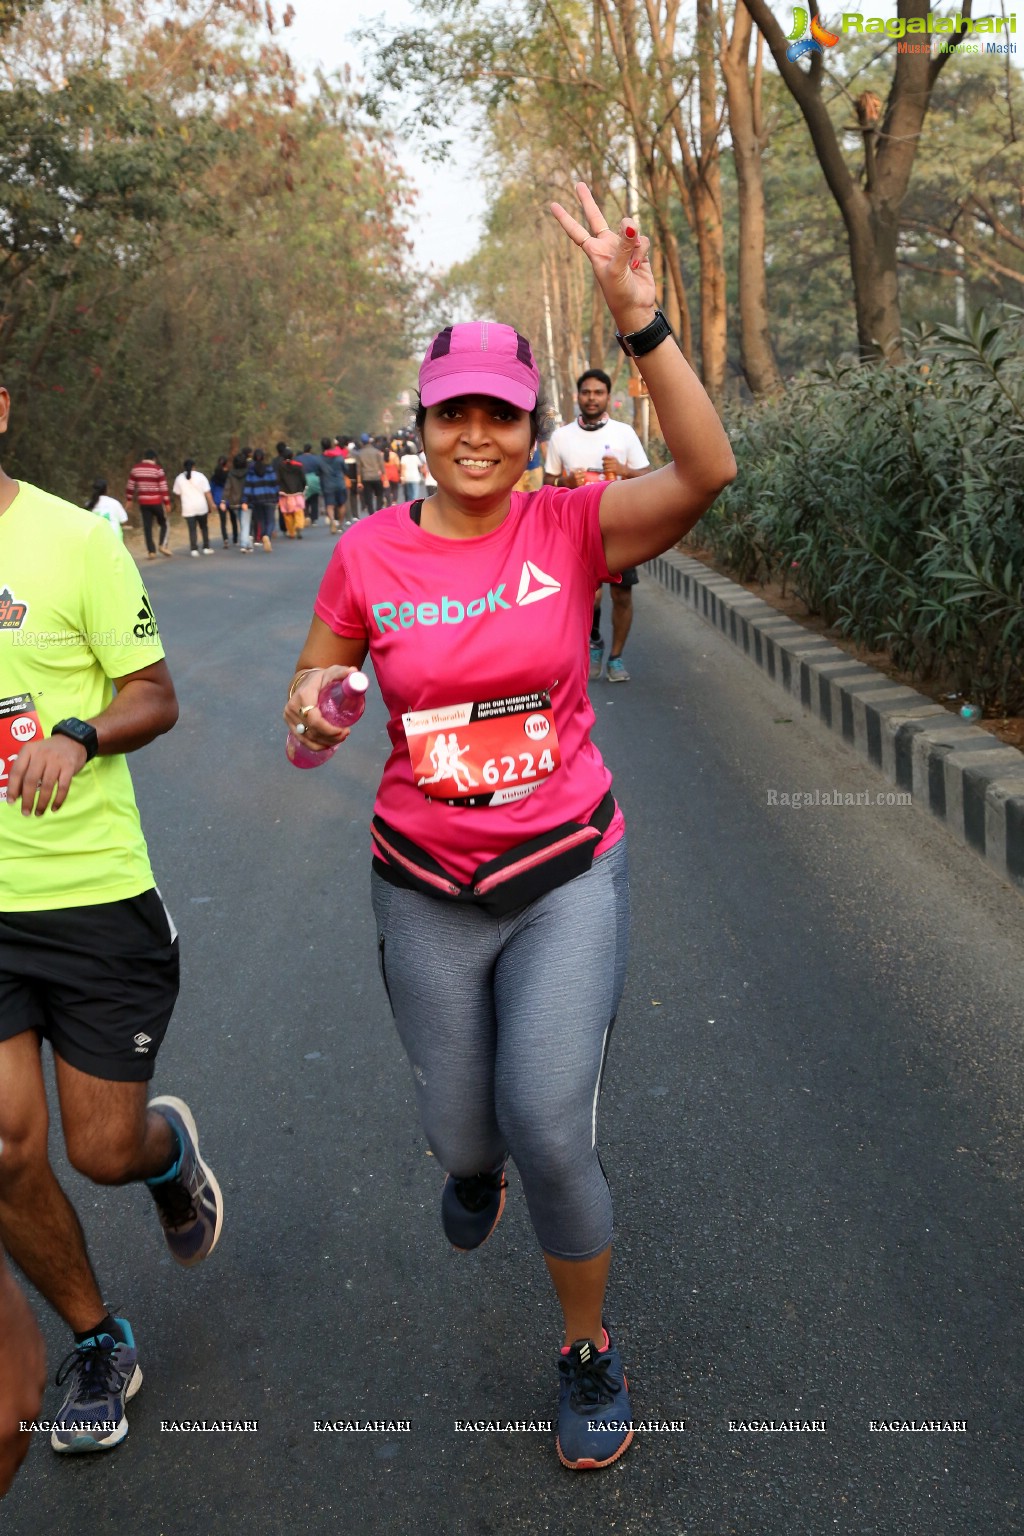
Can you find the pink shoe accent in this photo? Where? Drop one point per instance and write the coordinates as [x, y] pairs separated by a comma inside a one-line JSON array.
[[606, 1345]]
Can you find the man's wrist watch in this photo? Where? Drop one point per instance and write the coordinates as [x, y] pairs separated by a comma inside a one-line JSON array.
[[80, 731], [639, 343]]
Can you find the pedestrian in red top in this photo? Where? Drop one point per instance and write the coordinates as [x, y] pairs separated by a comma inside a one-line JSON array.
[[147, 484]]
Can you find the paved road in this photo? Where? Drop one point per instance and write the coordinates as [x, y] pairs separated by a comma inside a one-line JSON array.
[[812, 1123]]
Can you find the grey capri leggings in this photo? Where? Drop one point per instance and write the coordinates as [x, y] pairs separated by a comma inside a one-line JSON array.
[[506, 1023]]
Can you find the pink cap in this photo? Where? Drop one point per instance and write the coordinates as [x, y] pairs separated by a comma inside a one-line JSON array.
[[479, 358]]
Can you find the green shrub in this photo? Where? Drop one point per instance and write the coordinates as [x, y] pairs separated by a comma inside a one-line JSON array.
[[892, 500]]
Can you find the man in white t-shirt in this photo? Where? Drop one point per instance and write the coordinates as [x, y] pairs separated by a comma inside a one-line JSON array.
[[594, 447]]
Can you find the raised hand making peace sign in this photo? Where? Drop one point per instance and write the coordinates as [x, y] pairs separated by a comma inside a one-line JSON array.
[[619, 259]]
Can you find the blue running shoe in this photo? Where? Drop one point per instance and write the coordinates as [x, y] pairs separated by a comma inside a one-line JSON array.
[[617, 670], [595, 1424], [188, 1198], [596, 659], [104, 1373], [471, 1208]]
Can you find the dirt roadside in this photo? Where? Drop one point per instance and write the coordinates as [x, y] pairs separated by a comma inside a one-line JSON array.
[[1008, 728]]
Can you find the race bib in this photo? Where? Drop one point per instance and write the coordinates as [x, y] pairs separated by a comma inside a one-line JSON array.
[[483, 754], [19, 724]]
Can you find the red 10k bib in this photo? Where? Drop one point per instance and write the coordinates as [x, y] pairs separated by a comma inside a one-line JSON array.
[[486, 753], [19, 724]]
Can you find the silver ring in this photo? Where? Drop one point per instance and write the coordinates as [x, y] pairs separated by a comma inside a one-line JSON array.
[[300, 729]]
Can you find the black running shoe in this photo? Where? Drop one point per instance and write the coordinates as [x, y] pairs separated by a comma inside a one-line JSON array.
[[595, 1424], [471, 1208]]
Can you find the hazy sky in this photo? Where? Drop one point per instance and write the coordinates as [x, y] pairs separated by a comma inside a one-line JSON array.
[[447, 220]]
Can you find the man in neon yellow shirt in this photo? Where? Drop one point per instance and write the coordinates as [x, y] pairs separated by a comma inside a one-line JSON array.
[[88, 952]]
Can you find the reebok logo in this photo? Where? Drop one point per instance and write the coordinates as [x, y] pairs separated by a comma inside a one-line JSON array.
[[448, 611], [534, 586], [147, 620], [546, 586]]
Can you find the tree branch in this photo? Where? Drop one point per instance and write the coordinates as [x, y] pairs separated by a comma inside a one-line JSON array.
[[942, 59], [806, 92], [995, 224]]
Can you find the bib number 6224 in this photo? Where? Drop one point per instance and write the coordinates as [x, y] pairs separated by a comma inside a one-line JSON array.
[[517, 769]]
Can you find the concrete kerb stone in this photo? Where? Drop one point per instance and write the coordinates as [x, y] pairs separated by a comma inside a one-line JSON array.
[[966, 777]]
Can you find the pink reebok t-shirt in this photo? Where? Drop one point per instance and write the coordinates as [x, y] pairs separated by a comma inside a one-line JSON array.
[[456, 621]]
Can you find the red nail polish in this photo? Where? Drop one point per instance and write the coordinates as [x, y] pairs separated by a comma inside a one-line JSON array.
[[634, 265], [630, 231]]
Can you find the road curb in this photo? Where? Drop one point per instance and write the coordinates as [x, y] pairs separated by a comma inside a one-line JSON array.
[[967, 778]]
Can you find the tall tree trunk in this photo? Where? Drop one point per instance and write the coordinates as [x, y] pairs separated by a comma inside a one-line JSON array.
[[708, 200], [746, 130], [598, 307], [598, 317], [679, 316], [660, 171], [871, 206]]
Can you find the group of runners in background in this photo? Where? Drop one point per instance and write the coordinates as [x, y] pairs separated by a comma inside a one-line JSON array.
[[255, 495]]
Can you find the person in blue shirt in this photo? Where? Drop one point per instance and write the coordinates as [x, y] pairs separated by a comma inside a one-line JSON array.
[[261, 498], [332, 482]]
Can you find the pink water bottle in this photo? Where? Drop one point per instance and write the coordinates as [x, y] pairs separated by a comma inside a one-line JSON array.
[[341, 703]]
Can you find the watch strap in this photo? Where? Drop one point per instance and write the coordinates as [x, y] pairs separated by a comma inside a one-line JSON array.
[[639, 343], [80, 731]]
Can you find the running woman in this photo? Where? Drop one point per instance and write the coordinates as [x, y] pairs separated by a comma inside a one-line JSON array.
[[500, 891]]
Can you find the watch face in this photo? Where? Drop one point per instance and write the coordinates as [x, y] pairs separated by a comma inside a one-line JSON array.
[[79, 731]]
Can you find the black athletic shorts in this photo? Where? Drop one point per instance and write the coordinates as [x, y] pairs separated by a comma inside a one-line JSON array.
[[630, 577], [99, 983]]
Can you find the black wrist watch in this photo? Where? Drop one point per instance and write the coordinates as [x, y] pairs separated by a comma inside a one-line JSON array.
[[639, 343], [81, 732]]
